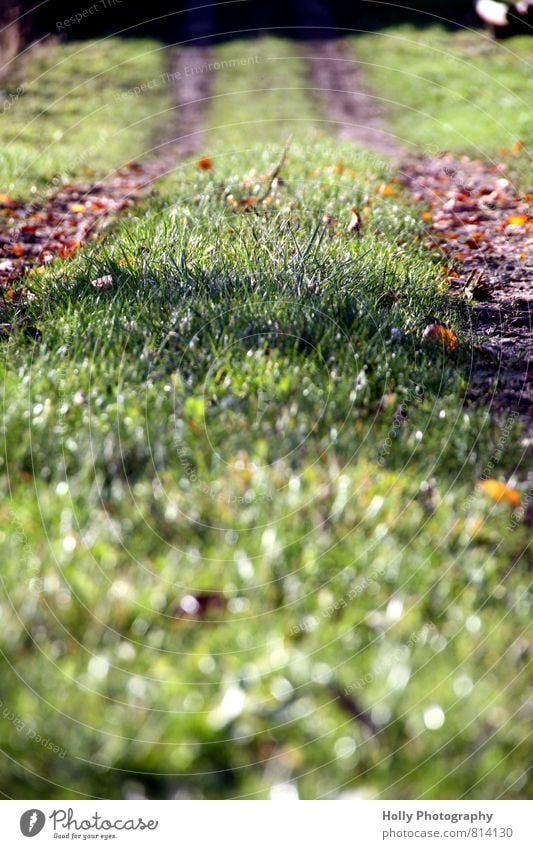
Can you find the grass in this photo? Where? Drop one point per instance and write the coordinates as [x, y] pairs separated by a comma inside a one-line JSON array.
[[460, 91], [66, 114], [223, 424]]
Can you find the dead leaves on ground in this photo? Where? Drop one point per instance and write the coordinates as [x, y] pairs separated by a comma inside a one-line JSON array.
[[33, 236]]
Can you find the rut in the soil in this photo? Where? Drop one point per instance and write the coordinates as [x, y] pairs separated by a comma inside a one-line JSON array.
[[33, 234], [477, 218], [355, 114]]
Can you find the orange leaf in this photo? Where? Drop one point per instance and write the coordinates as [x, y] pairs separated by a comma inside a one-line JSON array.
[[205, 163], [7, 200], [517, 147], [18, 249], [441, 334], [499, 491], [518, 219], [427, 216], [386, 190], [68, 250], [249, 201]]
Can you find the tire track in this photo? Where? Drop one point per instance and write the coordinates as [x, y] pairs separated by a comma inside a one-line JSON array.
[[34, 234]]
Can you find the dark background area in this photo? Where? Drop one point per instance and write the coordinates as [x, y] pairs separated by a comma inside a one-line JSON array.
[[176, 22]]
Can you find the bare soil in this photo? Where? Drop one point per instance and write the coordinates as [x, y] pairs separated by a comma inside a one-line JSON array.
[[475, 216], [33, 234]]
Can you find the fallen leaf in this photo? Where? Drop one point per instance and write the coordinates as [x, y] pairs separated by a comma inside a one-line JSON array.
[[68, 250], [427, 216], [103, 282], [205, 163], [7, 200], [517, 147], [18, 249], [517, 220], [77, 207], [386, 191], [439, 333], [355, 223], [499, 491]]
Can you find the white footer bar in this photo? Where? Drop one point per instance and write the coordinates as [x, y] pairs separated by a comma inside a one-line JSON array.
[[268, 825]]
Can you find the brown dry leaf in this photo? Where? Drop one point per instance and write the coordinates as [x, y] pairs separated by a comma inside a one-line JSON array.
[[355, 223], [205, 163], [69, 249], [193, 606], [18, 249], [439, 333], [499, 491]]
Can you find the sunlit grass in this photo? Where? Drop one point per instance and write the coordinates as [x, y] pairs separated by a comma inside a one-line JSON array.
[[460, 91], [64, 116]]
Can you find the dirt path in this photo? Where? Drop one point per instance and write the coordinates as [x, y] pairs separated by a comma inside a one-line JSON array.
[[474, 215], [356, 114], [484, 226], [33, 234]]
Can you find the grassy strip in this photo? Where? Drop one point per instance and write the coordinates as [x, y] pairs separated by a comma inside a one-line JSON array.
[[248, 417], [453, 90], [266, 99], [70, 112]]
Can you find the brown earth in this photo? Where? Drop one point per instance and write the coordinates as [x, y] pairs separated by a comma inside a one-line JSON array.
[[33, 234], [475, 216]]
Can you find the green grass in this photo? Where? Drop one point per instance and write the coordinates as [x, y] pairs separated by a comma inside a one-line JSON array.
[[268, 98], [65, 116], [222, 420], [460, 91]]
